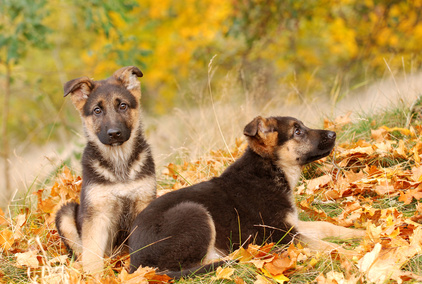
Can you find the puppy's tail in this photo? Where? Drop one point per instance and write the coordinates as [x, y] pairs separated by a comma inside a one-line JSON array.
[[66, 220], [193, 271]]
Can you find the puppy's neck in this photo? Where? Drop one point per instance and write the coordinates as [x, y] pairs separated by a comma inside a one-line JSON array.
[[291, 172]]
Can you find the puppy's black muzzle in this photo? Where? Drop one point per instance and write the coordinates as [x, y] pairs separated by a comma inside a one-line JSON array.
[[328, 139], [114, 136]]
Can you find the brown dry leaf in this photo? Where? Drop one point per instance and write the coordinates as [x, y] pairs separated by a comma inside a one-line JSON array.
[[6, 239], [28, 259]]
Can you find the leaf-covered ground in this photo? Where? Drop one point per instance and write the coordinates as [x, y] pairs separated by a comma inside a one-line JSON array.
[[373, 184]]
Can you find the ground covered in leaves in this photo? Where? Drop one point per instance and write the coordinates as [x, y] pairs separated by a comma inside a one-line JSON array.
[[373, 184]]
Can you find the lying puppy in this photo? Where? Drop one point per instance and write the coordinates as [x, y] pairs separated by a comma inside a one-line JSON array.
[[252, 201], [117, 167]]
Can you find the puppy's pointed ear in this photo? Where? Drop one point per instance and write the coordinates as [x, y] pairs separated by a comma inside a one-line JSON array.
[[261, 136], [259, 126], [129, 77], [80, 89]]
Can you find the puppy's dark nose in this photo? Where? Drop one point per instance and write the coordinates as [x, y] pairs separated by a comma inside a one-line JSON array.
[[331, 135], [114, 133]]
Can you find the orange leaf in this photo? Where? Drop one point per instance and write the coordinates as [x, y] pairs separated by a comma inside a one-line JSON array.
[[406, 197], [279, 265], [3, 220], [6, 239]]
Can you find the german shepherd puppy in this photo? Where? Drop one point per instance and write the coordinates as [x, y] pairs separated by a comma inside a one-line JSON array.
[[252, 201], [117, 167]]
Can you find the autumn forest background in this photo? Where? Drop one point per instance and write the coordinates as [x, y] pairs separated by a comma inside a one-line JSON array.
[[209, 68]]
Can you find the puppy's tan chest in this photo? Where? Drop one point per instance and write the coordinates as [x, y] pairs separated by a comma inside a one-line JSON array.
[[139, 191]]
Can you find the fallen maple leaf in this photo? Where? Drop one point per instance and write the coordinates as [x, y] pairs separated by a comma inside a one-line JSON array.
[[278, 278], [242, 255], [262, 280], [316, 183], [408, 196], [6, 239], [3, 220], [334, 277], [381, 264], [379, 135], [338, 122], [223, 273], [28, 259]]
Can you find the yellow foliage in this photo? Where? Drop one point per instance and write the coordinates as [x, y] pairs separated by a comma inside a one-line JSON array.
[[307, 44]]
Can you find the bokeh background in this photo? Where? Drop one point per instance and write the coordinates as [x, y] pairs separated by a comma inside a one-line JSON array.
[[209, 67]]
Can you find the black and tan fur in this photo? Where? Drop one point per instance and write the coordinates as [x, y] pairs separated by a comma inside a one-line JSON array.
[[252, 201], [117, 167]]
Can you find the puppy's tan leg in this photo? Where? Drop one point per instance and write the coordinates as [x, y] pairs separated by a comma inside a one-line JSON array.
[[95, 238], [323, 230], [312, 233]]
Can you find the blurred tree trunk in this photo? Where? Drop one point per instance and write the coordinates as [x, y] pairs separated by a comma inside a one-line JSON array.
[[5, 134]]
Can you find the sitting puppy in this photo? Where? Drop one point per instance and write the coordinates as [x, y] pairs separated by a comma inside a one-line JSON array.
[[252, 201], [117, 167]]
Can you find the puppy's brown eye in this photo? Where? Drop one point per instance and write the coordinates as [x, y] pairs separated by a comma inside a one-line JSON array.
[[97, 110], [123, 106], [298, 132]]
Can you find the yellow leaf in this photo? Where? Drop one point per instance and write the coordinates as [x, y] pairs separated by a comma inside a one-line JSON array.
[[241, 255], [313, 262], [223, 273], [403, 131], [278, 278]]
